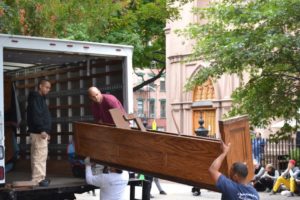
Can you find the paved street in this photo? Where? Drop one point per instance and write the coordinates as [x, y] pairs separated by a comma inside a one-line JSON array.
[[177, 191]]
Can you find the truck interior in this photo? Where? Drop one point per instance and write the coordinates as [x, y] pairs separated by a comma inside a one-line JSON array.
[[70, 75]]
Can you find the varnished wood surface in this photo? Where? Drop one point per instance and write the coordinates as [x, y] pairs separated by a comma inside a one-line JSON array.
[[179, 158], [236, 131], [169, 156], [122, 121], [9, 148]]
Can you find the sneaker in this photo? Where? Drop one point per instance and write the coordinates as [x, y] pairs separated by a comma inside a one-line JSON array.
[[44, 183], [268, 190], [162, 192], [289, 194], [197, 193], [272, 193], [193, 189]]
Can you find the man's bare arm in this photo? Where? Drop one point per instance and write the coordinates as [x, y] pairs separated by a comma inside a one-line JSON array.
[[216, 165]]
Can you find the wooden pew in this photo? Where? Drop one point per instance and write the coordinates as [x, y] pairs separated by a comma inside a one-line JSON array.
[[179, 158]]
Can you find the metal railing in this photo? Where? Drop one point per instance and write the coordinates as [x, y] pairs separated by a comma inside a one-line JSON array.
[[276, 152]]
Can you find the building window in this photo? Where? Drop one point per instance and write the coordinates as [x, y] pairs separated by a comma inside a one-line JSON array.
[[140, 108], [205, 91], [152, 86], [152, 108], [162, 84], [162, 108], [140, 79]]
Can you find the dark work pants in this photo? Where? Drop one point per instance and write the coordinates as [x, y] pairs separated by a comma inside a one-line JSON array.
[[150, 179], [263, 183]]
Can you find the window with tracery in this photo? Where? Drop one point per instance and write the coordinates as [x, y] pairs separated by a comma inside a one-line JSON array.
[[204, 92]]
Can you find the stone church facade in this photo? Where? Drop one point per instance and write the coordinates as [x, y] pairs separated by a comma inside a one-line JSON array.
[[210, 100]]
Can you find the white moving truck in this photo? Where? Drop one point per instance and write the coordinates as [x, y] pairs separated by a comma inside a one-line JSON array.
[[71, 67]]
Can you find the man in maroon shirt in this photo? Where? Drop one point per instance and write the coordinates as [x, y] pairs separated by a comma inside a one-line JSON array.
[[101, 105]]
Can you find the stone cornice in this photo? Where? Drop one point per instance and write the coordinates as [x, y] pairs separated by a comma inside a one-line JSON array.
[[216, 103], [178, 58]]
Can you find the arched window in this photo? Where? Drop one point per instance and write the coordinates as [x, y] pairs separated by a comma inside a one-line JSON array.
[[202, 106], [204, 92]]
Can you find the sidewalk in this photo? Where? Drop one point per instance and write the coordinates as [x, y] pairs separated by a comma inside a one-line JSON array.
[[176, 191]]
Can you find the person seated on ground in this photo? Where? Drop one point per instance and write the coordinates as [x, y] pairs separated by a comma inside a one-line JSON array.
[[236, 187], [259, 170], [287, 178], [266, 181], [297, 179], [112, 181]]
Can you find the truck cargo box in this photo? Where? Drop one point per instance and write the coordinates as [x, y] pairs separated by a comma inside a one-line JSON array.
[[71, 67]]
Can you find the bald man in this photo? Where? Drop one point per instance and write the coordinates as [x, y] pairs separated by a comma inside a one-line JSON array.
[[101, 104]]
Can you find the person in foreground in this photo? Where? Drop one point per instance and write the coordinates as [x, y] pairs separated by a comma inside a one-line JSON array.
[[236, 186], [112, 181]]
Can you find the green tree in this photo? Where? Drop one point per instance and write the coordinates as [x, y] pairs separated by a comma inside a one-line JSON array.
[[139, 23], [260, 38]]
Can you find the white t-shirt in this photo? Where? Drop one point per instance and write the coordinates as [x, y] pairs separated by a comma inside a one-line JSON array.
[[112, 185]]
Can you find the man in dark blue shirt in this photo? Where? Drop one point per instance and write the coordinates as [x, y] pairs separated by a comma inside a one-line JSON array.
[[258, 145], [236, 187]]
